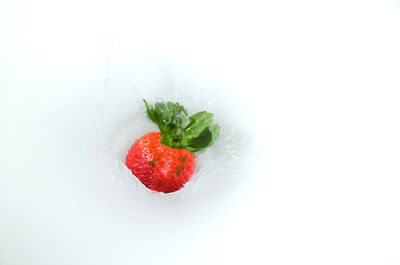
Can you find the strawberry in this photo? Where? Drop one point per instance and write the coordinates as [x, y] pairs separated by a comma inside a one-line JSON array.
[[164, 161]]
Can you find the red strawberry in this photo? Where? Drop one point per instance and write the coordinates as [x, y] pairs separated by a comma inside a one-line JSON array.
[[164, 161], [159, 167]]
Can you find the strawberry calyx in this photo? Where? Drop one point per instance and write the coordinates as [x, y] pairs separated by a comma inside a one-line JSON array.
[[194, 133]]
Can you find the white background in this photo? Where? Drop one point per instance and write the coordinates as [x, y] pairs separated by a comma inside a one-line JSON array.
[[318, 80]]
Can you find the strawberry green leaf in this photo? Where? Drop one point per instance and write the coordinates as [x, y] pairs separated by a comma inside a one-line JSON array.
[[150, 112], [214, 129], [177, 130], [198, 123], [203, 140], [206, 139]]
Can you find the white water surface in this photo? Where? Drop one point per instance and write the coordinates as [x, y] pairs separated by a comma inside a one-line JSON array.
[[306, 170]]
